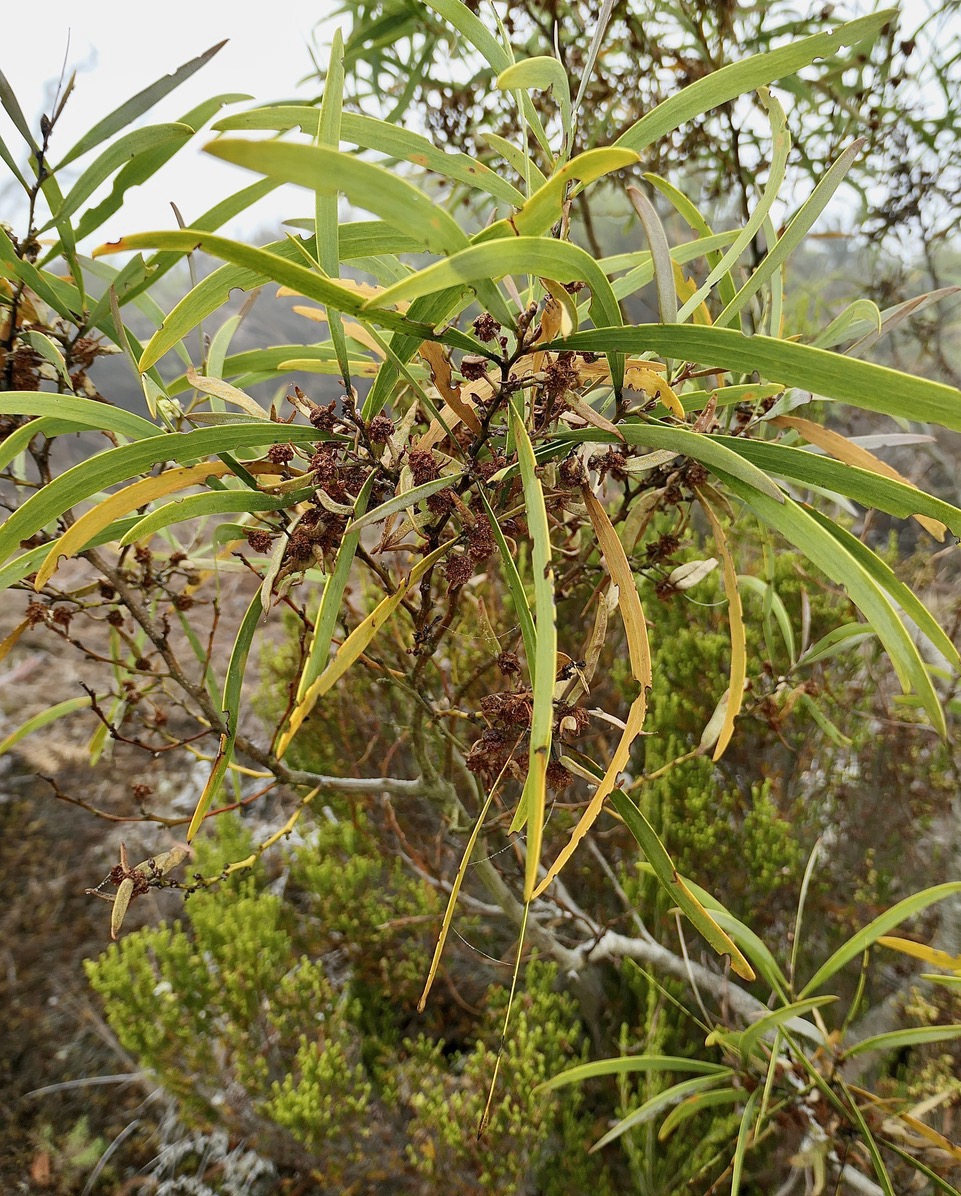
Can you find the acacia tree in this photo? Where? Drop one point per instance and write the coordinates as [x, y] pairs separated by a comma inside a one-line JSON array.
[[510, 454]]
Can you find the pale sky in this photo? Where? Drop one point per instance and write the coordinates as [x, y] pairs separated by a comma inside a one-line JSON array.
[[119, 49]]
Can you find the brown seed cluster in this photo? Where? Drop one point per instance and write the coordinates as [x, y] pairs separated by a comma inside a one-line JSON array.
[[486, 327], [561, 376], [424, 466], [259, 539], [381, 428]]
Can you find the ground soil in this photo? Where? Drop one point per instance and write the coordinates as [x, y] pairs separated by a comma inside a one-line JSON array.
[[58, 1113]]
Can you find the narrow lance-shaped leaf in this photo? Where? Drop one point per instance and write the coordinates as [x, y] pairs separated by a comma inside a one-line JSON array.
[[545, 206], [896, 1040], [83, 413], [663, 1100], [11, 105], [116, 465], [794, 234], [370, 133], [400, 502], [516, 587], [533, 800], [871, 488], [264, 266], [43, 719], [902, 595], [738, 78], [803, 529], [455, 890], [332, 596], [123, 116], [660, 255], [80, 533], [628, 1065], [928, 955], [694, 1105], [326, 222], [735, 691], [117, 155], [219, 389], [367, 185], [860, 383], [233, 685], [543, 73], [146, 164], [853, 454], [855, 947], [689, 212], [781, 147], [769, 1022], [194, 506]]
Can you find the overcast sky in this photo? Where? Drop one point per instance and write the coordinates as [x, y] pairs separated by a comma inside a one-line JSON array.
[[118, 49]]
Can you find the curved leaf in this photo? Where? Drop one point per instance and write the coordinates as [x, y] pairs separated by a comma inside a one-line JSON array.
[[263, 266], [80, 533], [43, 719], [119, 154], [870, 489], [196, 506], [855, 947], [663, 1100], [667, 874], [895, 1040], [116, 465], [804, 530], [532, 802], [738, 78], [370, 133], [628, 1065], [123, 116], [84, 413], [233, 685], [870, 387], [366, 185]]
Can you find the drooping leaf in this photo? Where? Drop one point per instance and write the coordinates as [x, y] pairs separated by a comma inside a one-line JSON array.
[[367, 186], [628, 1065], [679, 892], [738, 676], [230, 708], [196, 506], [80, 412], [392, 140], [80, 533], [531, 808], [354, 645]]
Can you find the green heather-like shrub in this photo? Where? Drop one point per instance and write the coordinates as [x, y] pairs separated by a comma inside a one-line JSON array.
[[249, 1034]]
